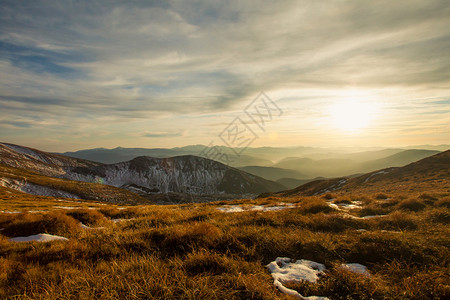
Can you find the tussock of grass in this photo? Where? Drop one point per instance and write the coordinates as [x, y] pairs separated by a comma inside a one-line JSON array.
[[399, 221], [27, 224], [315, 206], [88, 217], [412, 205], [342, 201]]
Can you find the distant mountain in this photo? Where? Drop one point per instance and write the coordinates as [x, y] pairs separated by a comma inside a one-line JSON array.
[[397, 160], [271, 173], [442, 147], [431, 172], [336, 167], [143, 175], [356, 156], [314, 168], [119, 154]]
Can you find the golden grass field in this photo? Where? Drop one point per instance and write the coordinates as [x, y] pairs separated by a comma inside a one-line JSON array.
[[196, 251]]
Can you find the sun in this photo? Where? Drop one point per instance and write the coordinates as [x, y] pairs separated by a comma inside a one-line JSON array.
[[351, 116]]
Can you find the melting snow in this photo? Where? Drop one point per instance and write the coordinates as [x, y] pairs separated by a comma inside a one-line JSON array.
[[42, 237], [120, 220], [284, 271], [238, 208], [346, 206], [356, 268], [88, 227], [67, 207], [362, 218], [374, 174]]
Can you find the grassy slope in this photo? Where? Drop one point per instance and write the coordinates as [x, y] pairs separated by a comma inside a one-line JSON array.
[[196, 252], [85, 190]]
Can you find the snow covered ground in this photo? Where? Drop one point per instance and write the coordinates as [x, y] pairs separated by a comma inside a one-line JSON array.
[[42, 237], [88, 227], [346, 206], [284, 270], [239, 208], [356, 268]]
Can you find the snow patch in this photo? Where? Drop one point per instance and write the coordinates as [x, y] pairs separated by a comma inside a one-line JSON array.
[[374, 174], [88, 227], [284, 270], [67, 207], [121, 220], [346, 206], [238, 208], [10, 212], [34, 189], [363, 218], [356, 268], [42, 237]]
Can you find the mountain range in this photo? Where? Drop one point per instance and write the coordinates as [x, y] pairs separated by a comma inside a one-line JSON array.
[[432, 172], [142, 175], [290, 165]]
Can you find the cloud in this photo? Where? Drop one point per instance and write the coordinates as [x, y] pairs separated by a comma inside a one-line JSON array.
[[78, 62], [162, 134]]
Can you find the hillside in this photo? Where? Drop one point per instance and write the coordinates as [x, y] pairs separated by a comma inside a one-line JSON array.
[[184, 174], [24, 181], [39, 161], [429, 173]]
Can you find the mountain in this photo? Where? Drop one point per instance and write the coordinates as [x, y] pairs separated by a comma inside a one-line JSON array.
[[313, 168], [336, 167], [432, 172], [120, 154], [271, 173], [142, 175], [183, 174], [39, 161], [397, 160]]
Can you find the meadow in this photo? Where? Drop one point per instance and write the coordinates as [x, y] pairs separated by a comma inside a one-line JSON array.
[[221, 250]]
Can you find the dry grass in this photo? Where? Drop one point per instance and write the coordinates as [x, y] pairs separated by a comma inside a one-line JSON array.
[[194, 251]]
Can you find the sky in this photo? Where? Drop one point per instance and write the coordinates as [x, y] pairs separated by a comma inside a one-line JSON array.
[[86, 74]]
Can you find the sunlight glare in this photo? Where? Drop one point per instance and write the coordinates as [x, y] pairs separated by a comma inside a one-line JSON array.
[[351, 116]]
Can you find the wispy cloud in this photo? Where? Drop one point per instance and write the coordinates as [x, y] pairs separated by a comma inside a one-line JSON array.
[[75, 63]]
